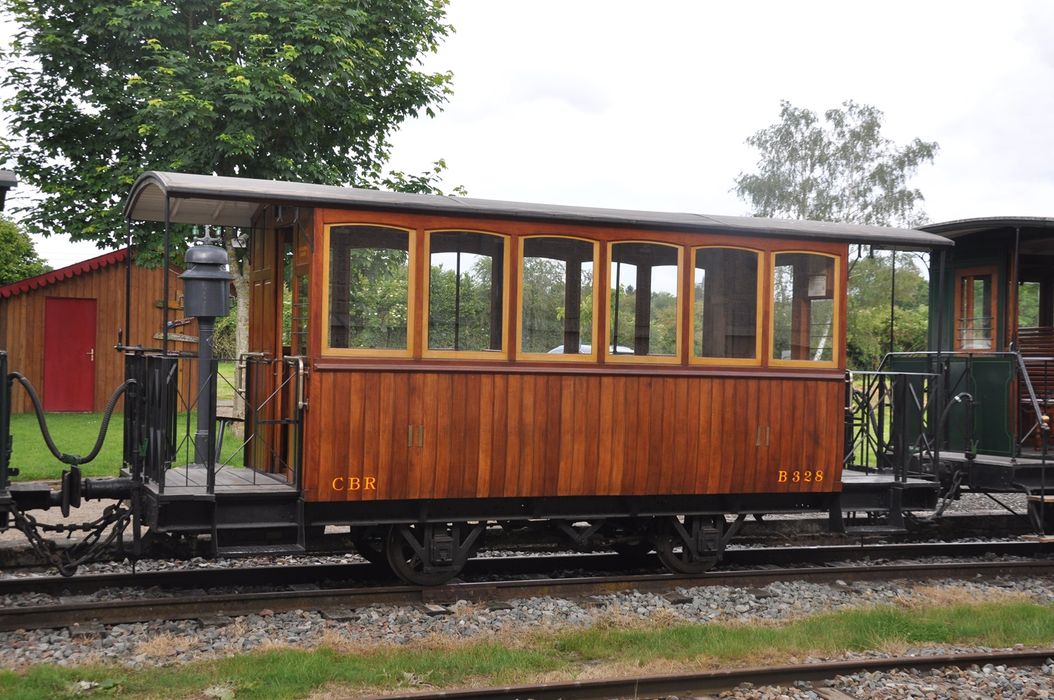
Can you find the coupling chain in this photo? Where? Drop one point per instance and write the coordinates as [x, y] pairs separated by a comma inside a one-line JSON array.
[[88, 549]]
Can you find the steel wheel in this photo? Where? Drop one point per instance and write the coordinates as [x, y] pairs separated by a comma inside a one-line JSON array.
[[691, 547], [407, 550]]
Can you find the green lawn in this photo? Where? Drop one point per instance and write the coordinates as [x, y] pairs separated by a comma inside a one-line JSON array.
[[614, 649], [75, 433]]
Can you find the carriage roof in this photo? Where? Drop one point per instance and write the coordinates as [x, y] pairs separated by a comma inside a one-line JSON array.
[[233, 201]]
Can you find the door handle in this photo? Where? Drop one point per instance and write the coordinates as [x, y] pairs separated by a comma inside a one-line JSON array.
[[91, 354]]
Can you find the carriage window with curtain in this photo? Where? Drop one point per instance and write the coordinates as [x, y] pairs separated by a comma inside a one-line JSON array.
[[975, 310], [803, 309], [556, 296], [644, 283], [466, 288], [725, 304], [369, 288]]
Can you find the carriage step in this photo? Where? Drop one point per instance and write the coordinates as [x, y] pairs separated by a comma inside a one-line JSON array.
[[277, 525], [1037, 498], [254, 550], [875, 530]]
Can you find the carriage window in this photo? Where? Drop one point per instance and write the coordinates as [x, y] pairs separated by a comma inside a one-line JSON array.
[[556, 292], [975, 310], [368, 288], [803, 288], [725, 304], [1028, 295], [466, 284], [643, 300]]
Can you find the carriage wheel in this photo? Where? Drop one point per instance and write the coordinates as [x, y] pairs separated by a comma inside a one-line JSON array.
[[692, 546], [430, 554], [370, 545]]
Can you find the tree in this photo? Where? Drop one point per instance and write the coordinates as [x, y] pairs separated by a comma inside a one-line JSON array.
[[279, 89], [18, 257], [840, 169]]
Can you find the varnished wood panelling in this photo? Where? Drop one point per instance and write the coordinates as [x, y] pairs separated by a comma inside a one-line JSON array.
[[448, 435]]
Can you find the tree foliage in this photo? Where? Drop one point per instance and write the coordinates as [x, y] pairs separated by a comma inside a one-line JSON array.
[[838, 168], [869, 313], [277, 89], [18, 256]]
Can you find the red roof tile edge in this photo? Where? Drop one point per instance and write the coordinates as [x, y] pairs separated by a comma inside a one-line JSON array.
[[63, 273]]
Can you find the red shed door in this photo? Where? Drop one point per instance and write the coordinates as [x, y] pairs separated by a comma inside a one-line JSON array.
[[69, 354]]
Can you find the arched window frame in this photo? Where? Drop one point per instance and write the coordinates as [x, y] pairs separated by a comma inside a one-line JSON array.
[[593, 356], [759, 323], [838, 298], [426, 283], [674, 359], [411, 291]]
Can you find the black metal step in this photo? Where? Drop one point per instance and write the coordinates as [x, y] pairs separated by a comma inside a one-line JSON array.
[[254, 550], [256, 525], [875, 530]]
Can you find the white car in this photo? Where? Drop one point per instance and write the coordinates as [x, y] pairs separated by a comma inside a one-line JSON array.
[[587, 349]]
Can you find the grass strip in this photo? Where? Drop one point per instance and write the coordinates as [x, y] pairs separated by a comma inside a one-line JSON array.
[[346, 669], [75, 433]]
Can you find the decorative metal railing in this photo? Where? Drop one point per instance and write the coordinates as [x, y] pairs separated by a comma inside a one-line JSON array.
[[160, 421]]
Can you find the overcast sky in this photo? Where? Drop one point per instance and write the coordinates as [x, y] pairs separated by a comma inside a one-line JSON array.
[[647, 105]]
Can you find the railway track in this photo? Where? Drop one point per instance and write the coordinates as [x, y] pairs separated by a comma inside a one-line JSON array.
[[327, 574], [694, 684], [199, 604]]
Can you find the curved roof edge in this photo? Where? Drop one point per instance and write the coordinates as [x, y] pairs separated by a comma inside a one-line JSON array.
[[233, 201], [961, 227]]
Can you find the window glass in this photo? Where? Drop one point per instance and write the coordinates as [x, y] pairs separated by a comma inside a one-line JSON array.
[[803, 289], [974, 316], [368, 287], [644, 293], [556, 293], [725, 304], [466, 281], [1028, 304]]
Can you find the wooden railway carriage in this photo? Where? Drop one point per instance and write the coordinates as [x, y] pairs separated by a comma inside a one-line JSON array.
[[421, 366], [444, 362]]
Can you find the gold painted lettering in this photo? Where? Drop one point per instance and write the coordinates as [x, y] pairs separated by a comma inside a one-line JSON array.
[[335, 485], [369, 483], [819, 475], [353, 483], [782, 477]]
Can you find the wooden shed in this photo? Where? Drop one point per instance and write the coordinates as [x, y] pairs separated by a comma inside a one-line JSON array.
[[60, 329]]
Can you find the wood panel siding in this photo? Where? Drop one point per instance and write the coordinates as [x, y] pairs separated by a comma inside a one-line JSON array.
[[23, 327], [489, 435]]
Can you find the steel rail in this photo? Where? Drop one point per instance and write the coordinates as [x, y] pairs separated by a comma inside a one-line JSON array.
[[286, 574], [691, 684], [202, 605]]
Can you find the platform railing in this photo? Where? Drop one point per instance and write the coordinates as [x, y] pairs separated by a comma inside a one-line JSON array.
[[150, 415], [159, 423], [274, 407], [888, 428]]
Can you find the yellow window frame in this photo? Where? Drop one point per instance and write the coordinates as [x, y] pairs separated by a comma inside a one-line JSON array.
[[837, 297], [411, 285], [494, 355], [595, 323], [758, 317], [646, 359]]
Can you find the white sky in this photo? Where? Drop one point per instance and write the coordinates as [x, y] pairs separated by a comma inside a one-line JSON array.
[[647, 105]]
